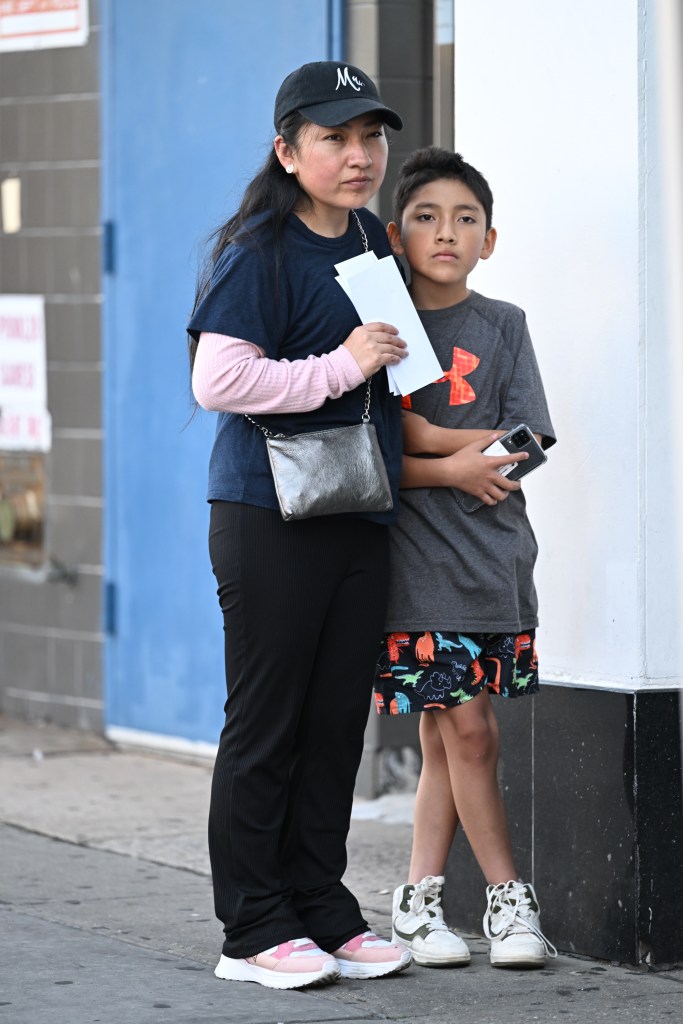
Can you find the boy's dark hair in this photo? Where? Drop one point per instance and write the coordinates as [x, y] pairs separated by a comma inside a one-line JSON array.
[[431, 164]]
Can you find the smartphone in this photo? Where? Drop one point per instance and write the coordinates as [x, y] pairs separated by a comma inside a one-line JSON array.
[[519, 439]]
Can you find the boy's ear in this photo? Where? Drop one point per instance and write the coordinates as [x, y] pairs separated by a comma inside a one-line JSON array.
[[395, 239], [489, 244]]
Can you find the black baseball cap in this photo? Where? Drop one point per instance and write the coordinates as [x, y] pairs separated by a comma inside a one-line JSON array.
[[330, 92]]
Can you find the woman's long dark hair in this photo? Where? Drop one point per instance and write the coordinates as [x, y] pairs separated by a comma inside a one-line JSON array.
[[272, 192]]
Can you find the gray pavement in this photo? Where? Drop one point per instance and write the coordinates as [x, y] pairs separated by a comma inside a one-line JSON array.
[[106, 912]]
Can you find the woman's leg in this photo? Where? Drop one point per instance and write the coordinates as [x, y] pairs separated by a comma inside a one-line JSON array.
[[331, 733], [276, 582], [330, 745], [435, 818], [471, 741]]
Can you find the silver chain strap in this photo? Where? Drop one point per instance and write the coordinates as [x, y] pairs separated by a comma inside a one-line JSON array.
[[364, 237], [366, 411], [264, 430], [362, 232]]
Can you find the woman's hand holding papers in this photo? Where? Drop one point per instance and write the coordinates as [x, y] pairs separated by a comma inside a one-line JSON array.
[[374, 346]]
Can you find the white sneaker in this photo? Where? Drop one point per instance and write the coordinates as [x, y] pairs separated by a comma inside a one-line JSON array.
[[513, 924], [417, 923]]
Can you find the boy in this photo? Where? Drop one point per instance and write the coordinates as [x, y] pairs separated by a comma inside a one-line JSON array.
[[462, 608]]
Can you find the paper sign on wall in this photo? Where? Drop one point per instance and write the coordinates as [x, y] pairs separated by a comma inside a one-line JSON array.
[[38, 24], [25, 423]]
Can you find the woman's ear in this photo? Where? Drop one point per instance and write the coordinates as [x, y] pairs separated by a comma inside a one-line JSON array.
[[489, 244], [284, 152], [395, 239]]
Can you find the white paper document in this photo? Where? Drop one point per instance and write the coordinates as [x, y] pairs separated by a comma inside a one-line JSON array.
[[378, 292]]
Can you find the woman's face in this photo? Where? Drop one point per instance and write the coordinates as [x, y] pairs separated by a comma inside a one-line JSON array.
[[340, 168]]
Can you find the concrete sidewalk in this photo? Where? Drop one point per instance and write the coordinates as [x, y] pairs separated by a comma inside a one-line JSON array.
[[106, 911]]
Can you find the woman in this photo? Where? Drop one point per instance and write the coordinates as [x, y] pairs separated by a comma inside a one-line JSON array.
[[274, 336]]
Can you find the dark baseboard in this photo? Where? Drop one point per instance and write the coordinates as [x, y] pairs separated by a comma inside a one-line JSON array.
[[592, 786]]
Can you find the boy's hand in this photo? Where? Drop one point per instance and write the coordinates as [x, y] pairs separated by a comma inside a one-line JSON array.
[[416, 431], [374, 346], [476, 473]]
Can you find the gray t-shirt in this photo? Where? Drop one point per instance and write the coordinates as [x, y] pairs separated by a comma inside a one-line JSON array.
[[453, 570]]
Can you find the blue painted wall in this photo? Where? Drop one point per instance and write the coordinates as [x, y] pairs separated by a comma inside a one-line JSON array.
[[188, 89]]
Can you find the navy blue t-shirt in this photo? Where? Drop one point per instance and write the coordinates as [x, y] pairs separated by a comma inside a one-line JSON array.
[[291, 311]]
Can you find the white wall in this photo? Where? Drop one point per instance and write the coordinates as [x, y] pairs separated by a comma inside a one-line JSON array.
[[548, 106], [662, 248]]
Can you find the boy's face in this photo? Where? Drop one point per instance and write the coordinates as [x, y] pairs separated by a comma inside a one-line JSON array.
[[443, 236]]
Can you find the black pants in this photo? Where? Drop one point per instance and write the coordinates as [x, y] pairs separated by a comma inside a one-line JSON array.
[[303, 605]]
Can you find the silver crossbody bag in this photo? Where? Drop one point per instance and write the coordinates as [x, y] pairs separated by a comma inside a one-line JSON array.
[[329, 471]]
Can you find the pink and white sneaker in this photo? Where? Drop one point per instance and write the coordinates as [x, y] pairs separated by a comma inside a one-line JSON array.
[[368, 956], [294, 964]]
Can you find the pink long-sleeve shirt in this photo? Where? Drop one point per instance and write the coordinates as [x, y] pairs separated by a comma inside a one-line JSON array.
[[232, 375]]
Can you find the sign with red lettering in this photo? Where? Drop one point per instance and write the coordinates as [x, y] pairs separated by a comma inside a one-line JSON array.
[[37, 24], [24, 418]]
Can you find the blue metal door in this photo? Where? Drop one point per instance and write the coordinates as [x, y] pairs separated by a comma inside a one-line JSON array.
[[188, 89]]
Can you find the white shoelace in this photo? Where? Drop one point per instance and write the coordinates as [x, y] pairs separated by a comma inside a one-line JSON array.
[[425, 902], [511, 903]]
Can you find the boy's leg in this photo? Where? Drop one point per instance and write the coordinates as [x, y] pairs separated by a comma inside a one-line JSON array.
[[417, 916], [471, 741], [435, 816]]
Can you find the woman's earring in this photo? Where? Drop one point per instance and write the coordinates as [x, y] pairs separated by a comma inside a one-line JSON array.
[[290, 168]]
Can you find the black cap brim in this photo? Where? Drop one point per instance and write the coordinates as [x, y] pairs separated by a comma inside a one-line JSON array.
[[327, 115]]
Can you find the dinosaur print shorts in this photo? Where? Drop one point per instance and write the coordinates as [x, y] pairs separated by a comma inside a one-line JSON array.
[[419, 671]]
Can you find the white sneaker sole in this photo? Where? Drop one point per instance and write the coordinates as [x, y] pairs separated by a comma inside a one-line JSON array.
[[228, 969], [510, 960], [359, 971], [433, 959]]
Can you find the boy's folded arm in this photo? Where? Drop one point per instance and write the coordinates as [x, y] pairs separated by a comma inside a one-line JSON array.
[[468, 470], [447, 471], [418, 472], [422, 437]]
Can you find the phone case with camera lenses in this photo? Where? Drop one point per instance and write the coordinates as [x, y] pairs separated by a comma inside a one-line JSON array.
[[519, 439]]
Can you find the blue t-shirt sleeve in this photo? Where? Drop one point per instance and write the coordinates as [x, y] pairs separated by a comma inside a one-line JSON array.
[[247, 299]]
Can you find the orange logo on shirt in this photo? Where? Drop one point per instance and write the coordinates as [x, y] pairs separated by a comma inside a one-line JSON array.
[[462, 392], [463, 363]]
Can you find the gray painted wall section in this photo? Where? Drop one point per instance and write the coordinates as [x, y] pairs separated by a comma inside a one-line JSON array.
[[50, 631], [392, 40]]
